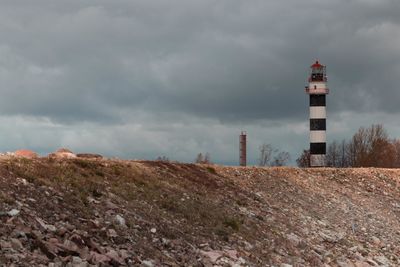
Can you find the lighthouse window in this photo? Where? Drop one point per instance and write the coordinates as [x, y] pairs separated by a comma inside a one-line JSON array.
[[317, 77]]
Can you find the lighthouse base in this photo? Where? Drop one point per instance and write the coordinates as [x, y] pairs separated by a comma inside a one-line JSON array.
[[317, 160]]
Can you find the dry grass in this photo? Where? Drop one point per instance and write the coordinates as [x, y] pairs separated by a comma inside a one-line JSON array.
[[178, 197]]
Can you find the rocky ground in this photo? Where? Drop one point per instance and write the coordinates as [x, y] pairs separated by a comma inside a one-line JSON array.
[[98, 212]]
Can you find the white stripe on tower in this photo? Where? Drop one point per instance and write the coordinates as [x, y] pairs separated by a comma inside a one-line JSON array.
[[318, 136], [317, 112], [317, 89]]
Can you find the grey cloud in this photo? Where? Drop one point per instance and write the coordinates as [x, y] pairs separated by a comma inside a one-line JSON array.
[[212, 59], [236, 64]]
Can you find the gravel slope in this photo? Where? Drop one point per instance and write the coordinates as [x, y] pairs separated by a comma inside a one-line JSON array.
[[82, 212]]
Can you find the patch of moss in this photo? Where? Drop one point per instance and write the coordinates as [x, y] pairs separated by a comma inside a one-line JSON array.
[[211, 170], [233, 223]]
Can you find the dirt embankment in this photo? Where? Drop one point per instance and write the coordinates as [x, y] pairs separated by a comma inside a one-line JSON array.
[[97, 212]]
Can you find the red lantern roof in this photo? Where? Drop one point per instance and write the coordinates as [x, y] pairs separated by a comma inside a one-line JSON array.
[[316, 65]]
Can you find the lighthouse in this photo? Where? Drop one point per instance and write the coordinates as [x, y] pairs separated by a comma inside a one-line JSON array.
[[317, 89]]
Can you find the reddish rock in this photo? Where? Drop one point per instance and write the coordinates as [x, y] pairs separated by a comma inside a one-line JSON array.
[[63, 150], [212, 255], [98, 259], [62, 153], [115, 258], [25, 153]]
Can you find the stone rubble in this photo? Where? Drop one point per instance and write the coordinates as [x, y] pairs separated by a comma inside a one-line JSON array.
[[98, 212]]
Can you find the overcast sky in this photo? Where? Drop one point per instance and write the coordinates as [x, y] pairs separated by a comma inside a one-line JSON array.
[[141, 79]]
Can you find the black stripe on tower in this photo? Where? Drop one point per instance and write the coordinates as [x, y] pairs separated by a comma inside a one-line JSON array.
[[317, 124], [317, 100], [317, 148]]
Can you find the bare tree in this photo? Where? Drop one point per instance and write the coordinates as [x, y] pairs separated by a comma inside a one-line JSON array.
[[162, 158], [199, 158], [281, 159], [270, 156], [396, 149], [344, 162], [266, 154], [303, 161], [370, 147], [206, 159], [333, 155]]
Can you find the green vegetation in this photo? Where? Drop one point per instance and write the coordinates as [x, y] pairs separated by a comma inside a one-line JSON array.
[[233, 223], [211, 170]]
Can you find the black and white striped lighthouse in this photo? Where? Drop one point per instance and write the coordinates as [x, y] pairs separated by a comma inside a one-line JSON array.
[[317, 89]]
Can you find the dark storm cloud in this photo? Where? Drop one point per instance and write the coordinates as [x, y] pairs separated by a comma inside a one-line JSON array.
[[141, 65], [218, 59]]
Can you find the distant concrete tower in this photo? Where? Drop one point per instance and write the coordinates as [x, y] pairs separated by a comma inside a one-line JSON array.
[[317, 89], [242, 149]]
